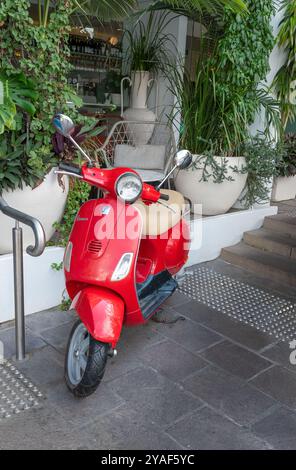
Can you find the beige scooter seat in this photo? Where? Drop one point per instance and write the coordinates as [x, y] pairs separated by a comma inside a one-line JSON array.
[[159, 217]]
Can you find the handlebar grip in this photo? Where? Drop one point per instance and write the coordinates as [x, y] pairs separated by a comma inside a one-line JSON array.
[[70, 168], [165, 197]]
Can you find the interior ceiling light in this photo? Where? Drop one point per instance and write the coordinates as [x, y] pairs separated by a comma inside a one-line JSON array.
[[113, 40]]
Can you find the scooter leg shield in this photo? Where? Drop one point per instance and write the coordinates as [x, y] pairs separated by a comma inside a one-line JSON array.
[[102, 312]]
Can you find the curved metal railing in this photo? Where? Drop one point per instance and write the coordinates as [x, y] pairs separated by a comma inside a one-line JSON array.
[[26, 219]]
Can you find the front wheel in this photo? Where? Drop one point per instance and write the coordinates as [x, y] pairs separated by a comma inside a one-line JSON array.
[[85, 361]]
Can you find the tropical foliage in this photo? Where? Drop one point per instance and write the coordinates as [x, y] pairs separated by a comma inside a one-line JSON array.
[[118, 9], [285, 79], [106, 9], [209, 120], [34, 67], [148, 44], [241, 62], [18, 91], [218, 107], [7, 108], [195, 8]]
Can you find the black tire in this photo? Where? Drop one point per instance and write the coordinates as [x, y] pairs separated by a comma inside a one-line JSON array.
[[95, 367]]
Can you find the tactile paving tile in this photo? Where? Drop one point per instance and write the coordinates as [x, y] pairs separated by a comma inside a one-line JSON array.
[[255, 307], [17, 392], [289, 213]]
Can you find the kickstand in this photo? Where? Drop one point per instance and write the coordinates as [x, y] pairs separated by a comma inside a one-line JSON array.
[[160, 317]]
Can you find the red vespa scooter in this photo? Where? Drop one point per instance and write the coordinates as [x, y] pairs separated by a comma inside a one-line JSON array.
[[120, 261]]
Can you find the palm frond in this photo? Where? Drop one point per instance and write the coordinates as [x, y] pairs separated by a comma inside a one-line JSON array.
[[195, 8], [106, 10], [148, 44], [284, 81]]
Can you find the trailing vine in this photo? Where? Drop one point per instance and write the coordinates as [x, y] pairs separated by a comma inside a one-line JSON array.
[[78, 194], [241, 63], [263, 161], [243, 51]]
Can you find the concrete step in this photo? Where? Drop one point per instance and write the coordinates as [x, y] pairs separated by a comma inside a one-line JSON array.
[[273, 242], [281, 223], [272, 266], [289, 202]]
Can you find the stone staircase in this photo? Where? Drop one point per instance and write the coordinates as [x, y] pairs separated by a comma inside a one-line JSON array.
[[270, 251]]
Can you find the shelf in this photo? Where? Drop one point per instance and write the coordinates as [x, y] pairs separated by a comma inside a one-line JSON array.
[[99, 105], [106, 70], [95, 56]]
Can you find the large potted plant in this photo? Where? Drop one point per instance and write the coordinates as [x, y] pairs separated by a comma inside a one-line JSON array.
[[147, 54], [27, 178], [216, 110], [284, 185], [217, 176], [34, 66]]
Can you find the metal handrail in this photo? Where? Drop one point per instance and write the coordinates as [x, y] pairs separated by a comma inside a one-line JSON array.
[[26, 219], [18, 268]]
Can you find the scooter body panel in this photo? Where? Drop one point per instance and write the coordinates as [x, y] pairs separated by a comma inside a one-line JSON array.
[[168, 251], [102, 312], [105, 230]]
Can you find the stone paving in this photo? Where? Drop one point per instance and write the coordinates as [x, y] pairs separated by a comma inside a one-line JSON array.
[[198, 381]]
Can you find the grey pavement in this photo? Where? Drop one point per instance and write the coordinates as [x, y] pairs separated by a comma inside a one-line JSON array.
[[195, 379]]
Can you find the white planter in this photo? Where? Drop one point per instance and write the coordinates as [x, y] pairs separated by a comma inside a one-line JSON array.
[[140, 82], [46, 203], [140, 134], [211, 198], [284, 188]]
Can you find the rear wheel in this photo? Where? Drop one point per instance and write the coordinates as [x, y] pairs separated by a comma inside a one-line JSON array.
[[85, 361]]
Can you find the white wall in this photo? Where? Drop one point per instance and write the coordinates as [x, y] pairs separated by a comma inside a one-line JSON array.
[[43, 286]]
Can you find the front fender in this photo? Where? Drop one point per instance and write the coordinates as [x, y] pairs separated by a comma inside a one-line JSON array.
[[102, 312]]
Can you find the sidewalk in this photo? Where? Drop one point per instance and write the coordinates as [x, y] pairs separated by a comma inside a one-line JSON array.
[[204, 381]]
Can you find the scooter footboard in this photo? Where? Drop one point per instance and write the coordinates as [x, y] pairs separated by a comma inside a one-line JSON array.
[[102, 312]]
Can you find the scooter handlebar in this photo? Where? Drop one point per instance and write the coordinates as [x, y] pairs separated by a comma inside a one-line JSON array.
[[69, 168], [151, 194]]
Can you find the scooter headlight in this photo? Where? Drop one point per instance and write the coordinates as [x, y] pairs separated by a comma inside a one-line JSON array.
[[129, 187]]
